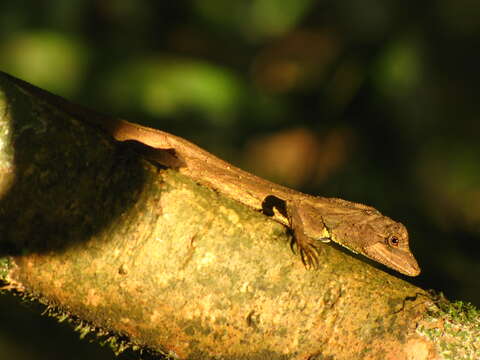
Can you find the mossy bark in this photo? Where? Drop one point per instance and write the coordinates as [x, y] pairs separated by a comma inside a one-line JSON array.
[[91, 228]]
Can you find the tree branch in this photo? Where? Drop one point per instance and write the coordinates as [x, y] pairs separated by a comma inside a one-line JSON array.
[[90, 228]]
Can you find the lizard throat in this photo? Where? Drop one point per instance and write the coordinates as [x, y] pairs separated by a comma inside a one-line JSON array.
[[341, 243]]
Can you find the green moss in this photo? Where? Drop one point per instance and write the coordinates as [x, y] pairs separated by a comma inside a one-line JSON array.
[[456, 329], [461, 311], [117, 343], [4, 267]]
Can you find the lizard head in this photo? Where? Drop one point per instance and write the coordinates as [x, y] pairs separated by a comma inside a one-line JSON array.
[[377, 237]]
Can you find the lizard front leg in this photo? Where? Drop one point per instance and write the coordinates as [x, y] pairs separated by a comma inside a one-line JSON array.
[[308, 229]]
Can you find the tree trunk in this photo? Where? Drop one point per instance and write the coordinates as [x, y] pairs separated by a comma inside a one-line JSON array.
[[99, 234]]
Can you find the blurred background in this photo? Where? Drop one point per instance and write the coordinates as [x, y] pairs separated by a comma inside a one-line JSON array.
[[373, 101]]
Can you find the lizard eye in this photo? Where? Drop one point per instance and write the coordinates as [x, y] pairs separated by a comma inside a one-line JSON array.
[[393, 241]]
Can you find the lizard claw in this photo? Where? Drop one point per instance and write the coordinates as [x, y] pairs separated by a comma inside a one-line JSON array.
[[308, 251], [309, 256]]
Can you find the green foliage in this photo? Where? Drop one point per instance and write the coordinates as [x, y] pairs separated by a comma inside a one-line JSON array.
[[399, 69], [169, 87], [253, 20], [50, 59]]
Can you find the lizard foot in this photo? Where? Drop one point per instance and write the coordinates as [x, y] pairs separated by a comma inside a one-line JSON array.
[[308, 247], [308, 250]]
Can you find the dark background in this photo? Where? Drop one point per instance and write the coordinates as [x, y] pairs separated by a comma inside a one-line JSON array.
[[372, 101]]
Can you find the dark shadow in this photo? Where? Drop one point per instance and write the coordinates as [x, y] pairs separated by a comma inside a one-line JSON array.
[[65, 187], [270, 203]]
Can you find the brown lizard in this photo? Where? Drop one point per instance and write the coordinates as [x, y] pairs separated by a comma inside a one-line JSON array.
[[313, 220]]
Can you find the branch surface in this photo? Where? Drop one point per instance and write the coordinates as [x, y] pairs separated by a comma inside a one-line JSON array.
[[89, 227]]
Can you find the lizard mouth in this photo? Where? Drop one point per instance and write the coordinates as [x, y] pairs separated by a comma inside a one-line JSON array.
[[400, 260]]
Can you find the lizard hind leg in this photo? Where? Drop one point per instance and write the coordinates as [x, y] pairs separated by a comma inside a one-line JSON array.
[[308, 247]]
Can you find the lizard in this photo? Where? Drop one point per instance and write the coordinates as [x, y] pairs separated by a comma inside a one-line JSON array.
[[313, 220]]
